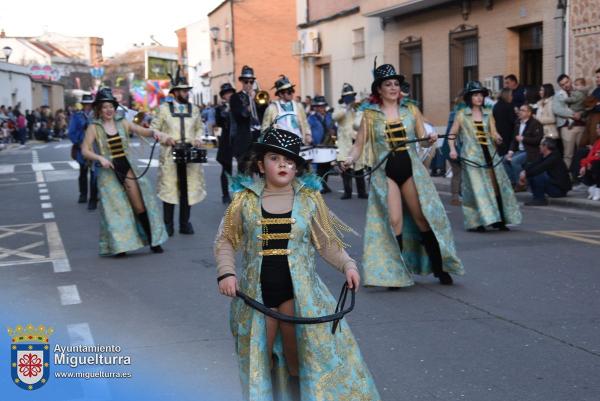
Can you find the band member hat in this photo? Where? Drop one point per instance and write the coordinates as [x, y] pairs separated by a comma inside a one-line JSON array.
[[282, 83], [247, 73], [318, 101], [347, 90], [87, 99], [226, 87], [179, 81]]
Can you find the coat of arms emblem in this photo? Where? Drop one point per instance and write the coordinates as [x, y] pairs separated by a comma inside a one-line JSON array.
[[30, 355]]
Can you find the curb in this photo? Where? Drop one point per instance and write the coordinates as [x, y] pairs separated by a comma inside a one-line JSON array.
[[571, 201]]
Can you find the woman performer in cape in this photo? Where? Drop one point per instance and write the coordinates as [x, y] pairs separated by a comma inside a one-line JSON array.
[[407, 231]]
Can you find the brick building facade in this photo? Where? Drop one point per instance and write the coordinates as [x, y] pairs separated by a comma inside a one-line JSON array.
[[584, 38], [259, 33], [439, 45]]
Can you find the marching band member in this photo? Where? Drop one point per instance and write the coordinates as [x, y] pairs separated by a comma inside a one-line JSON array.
[[488, 196], [397, 244], [245, 127], [345, 116], [323, 132], [279, 220], [129, 215], [77, 127], [286, 113], [179, 183], [224, 154]]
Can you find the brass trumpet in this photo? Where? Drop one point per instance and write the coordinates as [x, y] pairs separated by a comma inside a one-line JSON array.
[[262, 97]]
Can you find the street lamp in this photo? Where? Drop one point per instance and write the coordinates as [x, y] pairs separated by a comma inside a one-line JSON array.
[[7, 52], [214, 34]]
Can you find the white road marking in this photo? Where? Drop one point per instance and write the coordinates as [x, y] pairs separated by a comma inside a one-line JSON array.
[[74, 165], [43, 190], [21, 251], [49, 215], [135, 144], [42, 166], [7, 168], [97, 389], [42, 185], [69, 295], [39, 147], [144, 162], [44, 197], [39, 176], [56, 249], [63, 145], [47, 205]]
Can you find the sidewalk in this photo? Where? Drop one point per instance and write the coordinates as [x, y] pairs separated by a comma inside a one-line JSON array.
[[574, 199]]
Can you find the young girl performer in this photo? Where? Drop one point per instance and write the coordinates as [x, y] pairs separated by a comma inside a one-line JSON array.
[[278, 220]]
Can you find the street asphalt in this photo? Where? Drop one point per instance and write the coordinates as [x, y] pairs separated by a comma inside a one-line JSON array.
[[523, 324]]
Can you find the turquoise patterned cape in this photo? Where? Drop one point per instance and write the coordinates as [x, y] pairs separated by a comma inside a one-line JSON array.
[[330, 366], [479, 204], [383, 264], [120, 231]]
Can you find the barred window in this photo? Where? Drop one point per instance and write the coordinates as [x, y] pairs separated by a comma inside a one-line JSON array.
[[358, 43]]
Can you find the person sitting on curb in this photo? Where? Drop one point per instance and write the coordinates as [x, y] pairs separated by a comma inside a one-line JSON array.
[[546, 176], [590, 169], [524, 148]]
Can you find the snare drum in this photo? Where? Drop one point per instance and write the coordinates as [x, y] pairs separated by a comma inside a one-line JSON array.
[[306, 152], [324, 154]]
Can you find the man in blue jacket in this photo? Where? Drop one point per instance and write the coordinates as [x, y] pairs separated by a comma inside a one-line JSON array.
[[77, 126]]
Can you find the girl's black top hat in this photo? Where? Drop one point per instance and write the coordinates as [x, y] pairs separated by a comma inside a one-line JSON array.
[[281, 142]]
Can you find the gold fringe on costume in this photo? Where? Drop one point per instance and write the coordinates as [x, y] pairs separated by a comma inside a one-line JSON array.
[[370, 116], [328, 223], [231, 232]]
